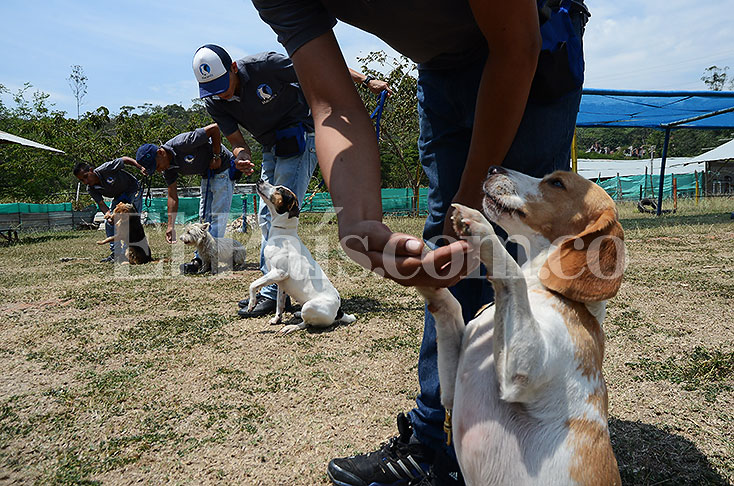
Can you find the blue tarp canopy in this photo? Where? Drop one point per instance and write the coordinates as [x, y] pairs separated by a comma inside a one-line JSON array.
[[656, 109], [665, 110]]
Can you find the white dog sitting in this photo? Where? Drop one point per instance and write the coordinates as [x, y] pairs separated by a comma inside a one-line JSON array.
[[213, 251], [292, 267]]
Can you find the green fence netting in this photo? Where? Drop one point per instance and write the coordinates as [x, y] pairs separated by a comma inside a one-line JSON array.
[[13, 208], [394, 201], [634, 187]]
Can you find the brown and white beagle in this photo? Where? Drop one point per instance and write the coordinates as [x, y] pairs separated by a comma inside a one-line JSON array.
[[524, 378]]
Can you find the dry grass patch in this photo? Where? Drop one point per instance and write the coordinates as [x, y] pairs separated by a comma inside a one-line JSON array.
[[141, 375]]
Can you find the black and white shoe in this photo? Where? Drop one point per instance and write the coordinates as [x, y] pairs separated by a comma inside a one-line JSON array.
[[402, 461]]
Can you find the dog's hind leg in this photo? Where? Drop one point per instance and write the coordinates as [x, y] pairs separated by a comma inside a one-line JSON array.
[[273, 276], [107, 240], [450, 327], [279, 306]]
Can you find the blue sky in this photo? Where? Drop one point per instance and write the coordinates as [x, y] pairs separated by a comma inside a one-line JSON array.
[[136, 52]]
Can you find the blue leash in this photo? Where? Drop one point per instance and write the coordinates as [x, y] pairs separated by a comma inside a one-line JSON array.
[[209, 175], [377, 114]]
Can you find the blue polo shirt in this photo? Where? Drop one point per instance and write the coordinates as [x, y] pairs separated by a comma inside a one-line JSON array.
[[113, 181], [192, 153], [269, 99]]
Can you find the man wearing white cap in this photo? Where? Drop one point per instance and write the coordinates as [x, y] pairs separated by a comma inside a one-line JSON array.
[[261, 93]]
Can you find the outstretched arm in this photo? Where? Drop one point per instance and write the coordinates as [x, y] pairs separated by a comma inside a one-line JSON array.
[[347, 152]]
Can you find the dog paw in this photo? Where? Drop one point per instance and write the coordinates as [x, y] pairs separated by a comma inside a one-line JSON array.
[[470, 222], [275, 320], [289, 329]]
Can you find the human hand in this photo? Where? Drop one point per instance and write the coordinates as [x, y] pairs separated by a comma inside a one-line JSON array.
[[404, 258], [242, 161], [108, 216], [377, 86], [143, 170], [171, 234], [215, 163]]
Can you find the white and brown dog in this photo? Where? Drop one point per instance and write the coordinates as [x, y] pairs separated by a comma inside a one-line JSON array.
[[213, 251], [524, 377], [292, 268], [129, 231]]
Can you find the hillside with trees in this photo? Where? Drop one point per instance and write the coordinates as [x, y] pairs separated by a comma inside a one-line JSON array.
[[28, 175]]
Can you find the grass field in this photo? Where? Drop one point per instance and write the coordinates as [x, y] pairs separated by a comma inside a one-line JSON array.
[[137, 375]]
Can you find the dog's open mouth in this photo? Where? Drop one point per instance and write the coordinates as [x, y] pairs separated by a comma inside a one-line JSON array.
[[497, 206]]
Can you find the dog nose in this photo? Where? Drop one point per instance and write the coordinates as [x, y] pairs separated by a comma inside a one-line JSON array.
[[496, 169], [260, 181]]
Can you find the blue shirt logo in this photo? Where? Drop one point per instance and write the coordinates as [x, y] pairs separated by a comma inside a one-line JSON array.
[[189, 159], [265, 93], [110, 180]]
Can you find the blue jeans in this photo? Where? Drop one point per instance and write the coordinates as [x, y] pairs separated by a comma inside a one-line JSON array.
[[446, 102], [293, 173], [215, 202], [134, 198]]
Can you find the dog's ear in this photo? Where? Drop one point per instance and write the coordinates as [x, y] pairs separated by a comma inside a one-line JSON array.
[[589, 266], [293, 209], [205, 226]]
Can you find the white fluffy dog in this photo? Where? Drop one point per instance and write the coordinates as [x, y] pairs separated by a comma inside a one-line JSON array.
[[213, 251]]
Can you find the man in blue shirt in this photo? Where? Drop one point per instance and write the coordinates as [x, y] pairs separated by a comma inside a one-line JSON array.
[[261, 94], [494, 88], [199, 152], [110, 180]]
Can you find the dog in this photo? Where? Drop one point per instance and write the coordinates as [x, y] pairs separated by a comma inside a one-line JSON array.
[[129, 231], [522, 382], [292, 267], [213, 251]]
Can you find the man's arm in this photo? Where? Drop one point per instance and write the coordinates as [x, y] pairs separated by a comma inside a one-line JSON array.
[[347, 152], [375, 85], [134, 163], [212, 131], [513, 37], [242, 152], [172, 212]]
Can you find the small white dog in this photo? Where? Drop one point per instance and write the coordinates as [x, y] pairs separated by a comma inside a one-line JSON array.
[[524, 377], [292, 267], [213, 251]]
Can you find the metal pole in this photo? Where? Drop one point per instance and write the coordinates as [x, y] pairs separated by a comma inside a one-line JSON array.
[[662, 171], [574, 154]]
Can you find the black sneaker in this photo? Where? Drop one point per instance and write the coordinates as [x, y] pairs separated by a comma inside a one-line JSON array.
[[289, 307], [264, 307], [192, 267], [402, 461], [109, 259]]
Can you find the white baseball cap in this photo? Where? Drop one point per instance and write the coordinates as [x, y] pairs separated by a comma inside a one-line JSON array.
[[211, 68]]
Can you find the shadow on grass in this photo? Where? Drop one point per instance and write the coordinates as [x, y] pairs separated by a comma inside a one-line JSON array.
[[366, 305], [666, 220], [30, 239], [648, 455]]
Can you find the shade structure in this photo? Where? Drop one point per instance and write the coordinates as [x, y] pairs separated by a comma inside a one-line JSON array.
[[663, 110], [6, 137], [722, 152], [656, 109]]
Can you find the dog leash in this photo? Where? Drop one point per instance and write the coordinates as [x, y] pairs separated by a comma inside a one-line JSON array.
[[209, 175], [377, 114]]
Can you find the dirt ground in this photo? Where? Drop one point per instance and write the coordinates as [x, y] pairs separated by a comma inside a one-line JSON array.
[[138, 375]]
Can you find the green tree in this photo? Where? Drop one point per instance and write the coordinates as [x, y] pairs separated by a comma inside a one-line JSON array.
[[715, 78], [78, 84], [399, 125]]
